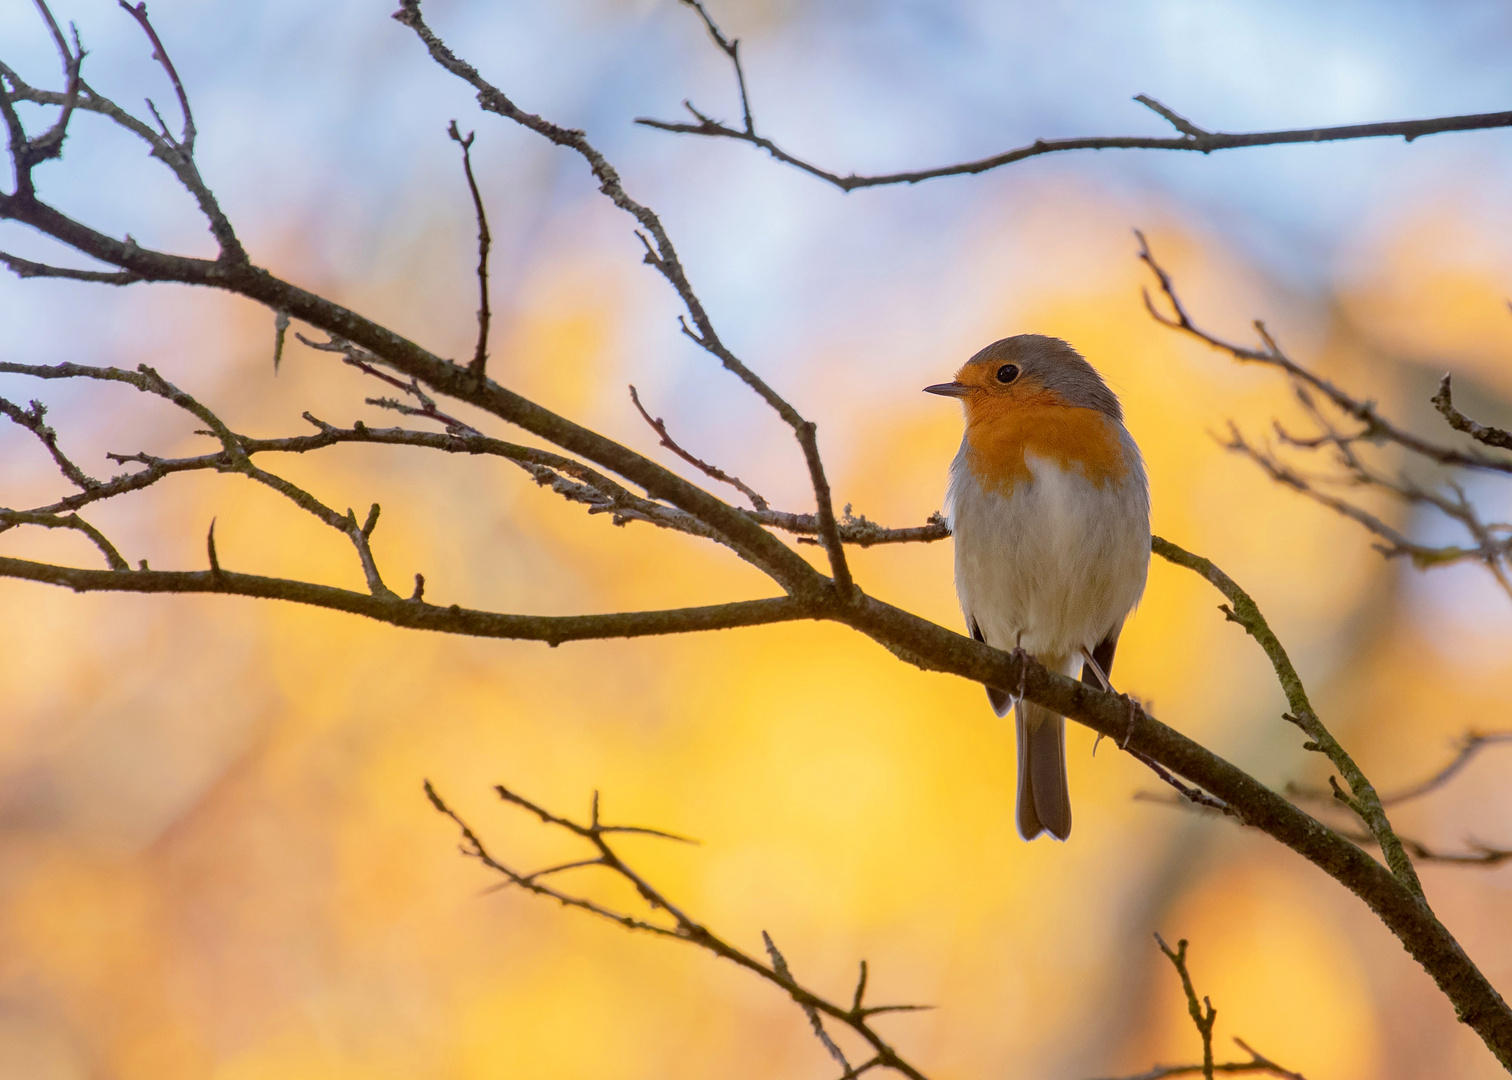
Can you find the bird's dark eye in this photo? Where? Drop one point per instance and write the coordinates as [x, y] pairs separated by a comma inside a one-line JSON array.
[[1007, 373]]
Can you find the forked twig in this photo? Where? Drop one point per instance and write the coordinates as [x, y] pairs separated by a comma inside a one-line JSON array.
[[667, 919], [1203, 1015]]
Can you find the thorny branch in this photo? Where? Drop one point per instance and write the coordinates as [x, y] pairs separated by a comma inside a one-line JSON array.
[[809, 593], [1492, 541], [1191, 137], [666, 919]]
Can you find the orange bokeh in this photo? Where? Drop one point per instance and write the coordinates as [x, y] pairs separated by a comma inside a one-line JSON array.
[[219, 861]]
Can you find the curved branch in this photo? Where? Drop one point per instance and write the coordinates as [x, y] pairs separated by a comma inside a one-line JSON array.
[[1362, 797], [9, 519], [1472, 744], [1443, 401]]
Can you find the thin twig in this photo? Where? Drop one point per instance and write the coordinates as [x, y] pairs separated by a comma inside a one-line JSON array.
[[25, 268], [160, 54], [1470, 744], [9, 519], [480, 353], [1192, 137], [663, 256], [1362, 797], [1366, 412], [1476, 854], [731, 48], [659, 426], [32, 420], [678, 924], [50, 143], [1203, 1014], [1443, 401]]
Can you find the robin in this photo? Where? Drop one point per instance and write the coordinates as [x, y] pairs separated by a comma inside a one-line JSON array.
[[1050, 510]]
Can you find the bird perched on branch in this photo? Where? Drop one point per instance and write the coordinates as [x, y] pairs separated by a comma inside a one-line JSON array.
[[1050, 509]]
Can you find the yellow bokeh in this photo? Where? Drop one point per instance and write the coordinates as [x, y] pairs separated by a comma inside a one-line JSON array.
[[224, 864]]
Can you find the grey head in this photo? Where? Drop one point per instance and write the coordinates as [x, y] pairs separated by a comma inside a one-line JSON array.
[[1046, 361]]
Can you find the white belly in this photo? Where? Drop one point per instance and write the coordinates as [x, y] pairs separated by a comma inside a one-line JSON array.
[[1054, 566]]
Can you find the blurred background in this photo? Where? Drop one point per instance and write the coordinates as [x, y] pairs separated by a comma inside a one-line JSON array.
[[215, 856]]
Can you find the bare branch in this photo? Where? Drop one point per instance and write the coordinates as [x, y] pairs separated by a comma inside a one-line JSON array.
[[779, 964], [659, 426], [1489, 549], [1443, 401], [682, 926], [50, 143], [1376, 425], [730, 48], [1470, 744], [413, 614], [1476, 855], [177, 154], [860, 531], [661, 255], [9, 519], [1203, 1014], [1362, 797], [1192, 138], [160, 54], [480, 353], [1180, 123], [25, 268], [1185, 792], [32, 420], [1494, 551]]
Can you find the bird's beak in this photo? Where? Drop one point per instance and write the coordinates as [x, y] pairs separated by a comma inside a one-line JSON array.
[[948, 389]]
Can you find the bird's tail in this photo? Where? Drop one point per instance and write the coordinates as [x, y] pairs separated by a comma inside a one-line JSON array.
[[1044, 801]]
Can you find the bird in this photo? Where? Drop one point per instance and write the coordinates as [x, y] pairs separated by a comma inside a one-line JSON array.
[[1049, 506]]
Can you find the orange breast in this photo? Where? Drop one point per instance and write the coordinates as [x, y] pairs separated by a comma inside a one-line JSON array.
[[1001, 430]]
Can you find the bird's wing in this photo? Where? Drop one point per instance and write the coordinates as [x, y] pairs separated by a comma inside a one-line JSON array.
[[1000, 699], [1103, 654]]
